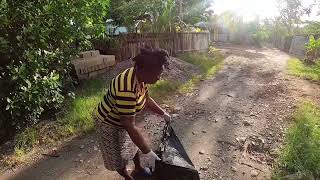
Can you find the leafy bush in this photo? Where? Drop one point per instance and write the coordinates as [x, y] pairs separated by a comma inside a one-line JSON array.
[[313, 47], [37, 40]]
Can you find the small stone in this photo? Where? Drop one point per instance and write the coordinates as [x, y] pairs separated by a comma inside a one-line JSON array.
[[81, 161], [175, 115], [95, 148], [228, 117], [194, 133], [222, 159], [165, 106], [177, 108], [208, 158], [234, 169], [204, 131], [97, 167], [241, 140], [204, 168], [216, 120], [92, 141], [82, 147], [246, 123], [254, 173], [201, 152]]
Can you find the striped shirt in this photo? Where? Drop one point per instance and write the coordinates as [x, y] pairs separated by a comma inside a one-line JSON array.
[[125, 96]]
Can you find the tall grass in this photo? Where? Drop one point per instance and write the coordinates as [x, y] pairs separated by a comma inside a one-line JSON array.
[[301, 153], [298, 68], [78, 116]]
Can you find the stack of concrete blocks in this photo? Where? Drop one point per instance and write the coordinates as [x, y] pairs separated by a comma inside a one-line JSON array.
[[90, 64]]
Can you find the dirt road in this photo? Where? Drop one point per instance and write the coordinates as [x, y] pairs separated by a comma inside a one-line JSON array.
[[231, 126]]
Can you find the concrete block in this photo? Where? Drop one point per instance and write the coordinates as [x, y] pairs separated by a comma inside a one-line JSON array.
[[92, 64], [110, 60], [89, 54], [83, 76], [93, 74], [93, 61], [95, 53]]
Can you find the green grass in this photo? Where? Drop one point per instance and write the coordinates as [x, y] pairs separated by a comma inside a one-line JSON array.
[[25, 140], [209, 64], [75, 118], [78, 117], [298, 68], [162, 89], [301, 153]]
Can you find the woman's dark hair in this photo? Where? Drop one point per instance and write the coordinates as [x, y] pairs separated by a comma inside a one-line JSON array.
[[151, 58]]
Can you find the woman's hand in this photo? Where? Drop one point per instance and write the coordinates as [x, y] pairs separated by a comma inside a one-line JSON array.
[[167, 117], [151, 158]]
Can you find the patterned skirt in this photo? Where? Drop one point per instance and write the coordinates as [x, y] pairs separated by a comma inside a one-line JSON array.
[[116, 146]]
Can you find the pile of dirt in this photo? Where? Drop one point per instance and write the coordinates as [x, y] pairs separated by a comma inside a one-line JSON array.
[[180, 70]]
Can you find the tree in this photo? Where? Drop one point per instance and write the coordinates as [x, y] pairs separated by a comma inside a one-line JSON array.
[[290, 14], [160, 12], [313, 27], [194, 11], [38, 39]]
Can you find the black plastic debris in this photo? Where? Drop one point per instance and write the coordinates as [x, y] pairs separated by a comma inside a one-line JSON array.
[[175, 163]]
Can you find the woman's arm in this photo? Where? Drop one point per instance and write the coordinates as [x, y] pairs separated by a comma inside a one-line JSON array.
[[154, 106], [128, 122]]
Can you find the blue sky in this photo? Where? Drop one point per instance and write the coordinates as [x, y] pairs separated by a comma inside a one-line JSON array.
[[250, 8]]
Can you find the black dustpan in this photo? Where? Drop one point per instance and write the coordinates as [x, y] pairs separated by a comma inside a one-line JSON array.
[[175, 163]]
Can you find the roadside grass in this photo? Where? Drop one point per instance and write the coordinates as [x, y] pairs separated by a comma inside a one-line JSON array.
[[75, 118], [209, 64], [162, 89], [300, 155], [300, 69]]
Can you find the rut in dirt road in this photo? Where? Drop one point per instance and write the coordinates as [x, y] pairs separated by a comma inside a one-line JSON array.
[[248, 100]]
